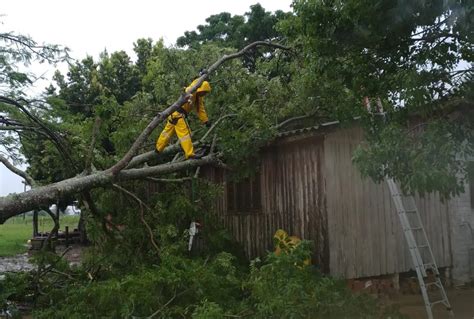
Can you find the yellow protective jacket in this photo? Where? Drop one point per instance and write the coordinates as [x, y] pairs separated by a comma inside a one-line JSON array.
[[176, 123], [197, 102]]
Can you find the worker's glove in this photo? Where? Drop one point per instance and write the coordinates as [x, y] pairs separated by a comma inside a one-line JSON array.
[[208, 124]]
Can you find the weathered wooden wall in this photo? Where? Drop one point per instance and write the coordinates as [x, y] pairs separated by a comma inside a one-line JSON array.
[[365, 235], [311, 189], [291, 180]]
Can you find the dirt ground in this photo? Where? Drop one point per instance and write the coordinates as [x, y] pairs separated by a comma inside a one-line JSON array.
[[73, 254], [461, 299]]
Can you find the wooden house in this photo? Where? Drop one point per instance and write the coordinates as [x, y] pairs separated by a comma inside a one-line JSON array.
[[308, 186]]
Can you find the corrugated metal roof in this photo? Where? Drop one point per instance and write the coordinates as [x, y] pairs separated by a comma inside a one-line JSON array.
[[311, 128]]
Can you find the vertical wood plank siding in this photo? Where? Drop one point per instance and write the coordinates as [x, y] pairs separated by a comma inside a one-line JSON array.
[[291, 187], [311, 189], [365, 235]]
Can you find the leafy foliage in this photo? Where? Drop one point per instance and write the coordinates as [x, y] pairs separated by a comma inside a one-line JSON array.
[[213, 287], [413, 57], [436, 143]]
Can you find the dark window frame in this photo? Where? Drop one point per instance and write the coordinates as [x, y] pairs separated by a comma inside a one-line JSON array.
[[244, 196], [470, 174]]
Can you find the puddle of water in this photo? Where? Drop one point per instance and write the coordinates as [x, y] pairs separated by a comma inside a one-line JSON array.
[[15, 263]]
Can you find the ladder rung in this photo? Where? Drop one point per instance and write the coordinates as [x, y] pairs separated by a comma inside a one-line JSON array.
[[431, 265], [437, 301], [434, 283], [423, 246], [416, 228]]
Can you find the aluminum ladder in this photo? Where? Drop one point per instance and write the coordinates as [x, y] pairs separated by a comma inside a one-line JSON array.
[[419, 246]]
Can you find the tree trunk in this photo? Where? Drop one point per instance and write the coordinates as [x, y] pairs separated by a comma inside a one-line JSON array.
[[16, 204]]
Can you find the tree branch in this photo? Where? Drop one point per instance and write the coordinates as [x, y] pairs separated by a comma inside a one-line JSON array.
[[142, 215], [293, 119], [148, 156], [15, 204], [168, 180], [16, 128], [54, 230], [215, 125], [36, 49], [90, 156], [52, 135], [18, 172]]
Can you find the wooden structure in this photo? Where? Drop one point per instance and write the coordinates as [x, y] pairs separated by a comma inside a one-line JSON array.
[[308, 186]]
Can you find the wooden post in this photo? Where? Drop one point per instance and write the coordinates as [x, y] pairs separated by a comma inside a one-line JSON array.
[[35, 223], [447, 277], [57, 220], [67, 235], [396, 282]]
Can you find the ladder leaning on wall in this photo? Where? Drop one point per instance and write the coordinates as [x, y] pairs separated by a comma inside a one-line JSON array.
[[420, 250]]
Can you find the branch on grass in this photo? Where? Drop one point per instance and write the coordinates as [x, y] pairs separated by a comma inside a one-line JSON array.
[[239, 316], [63, 274], [115, 169], [51, 266], [163, 307]]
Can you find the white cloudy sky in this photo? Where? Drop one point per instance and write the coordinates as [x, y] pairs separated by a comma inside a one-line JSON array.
[[89, 27]]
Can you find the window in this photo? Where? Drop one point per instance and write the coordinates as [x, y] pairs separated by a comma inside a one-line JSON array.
[[244, 196], [470, 172]]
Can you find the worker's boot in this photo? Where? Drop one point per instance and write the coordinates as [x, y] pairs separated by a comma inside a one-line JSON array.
[[198, 154], [195, 156]]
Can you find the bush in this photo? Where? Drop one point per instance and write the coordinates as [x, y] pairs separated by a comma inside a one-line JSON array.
[[282, 286], [285, 287], [176, 287]]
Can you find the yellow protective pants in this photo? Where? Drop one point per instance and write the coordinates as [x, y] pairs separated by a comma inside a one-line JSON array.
[[176, 124]]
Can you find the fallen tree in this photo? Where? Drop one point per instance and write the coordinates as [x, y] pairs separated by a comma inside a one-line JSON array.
[[16, 204]]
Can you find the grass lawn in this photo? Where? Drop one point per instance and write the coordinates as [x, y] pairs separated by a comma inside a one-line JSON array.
[[16, 231]]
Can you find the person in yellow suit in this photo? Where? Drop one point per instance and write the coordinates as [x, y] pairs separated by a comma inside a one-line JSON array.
[[176, 122], [284, 244]]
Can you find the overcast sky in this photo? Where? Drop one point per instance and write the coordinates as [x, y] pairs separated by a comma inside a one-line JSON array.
[[90, 26]]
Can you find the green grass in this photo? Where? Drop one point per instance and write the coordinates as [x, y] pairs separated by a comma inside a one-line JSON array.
[[16, 231]]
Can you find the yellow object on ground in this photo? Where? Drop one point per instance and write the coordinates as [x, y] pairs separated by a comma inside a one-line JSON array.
[[177, 124], [285, 244]]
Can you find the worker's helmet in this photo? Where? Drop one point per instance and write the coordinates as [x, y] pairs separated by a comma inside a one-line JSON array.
[[205, 86]]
